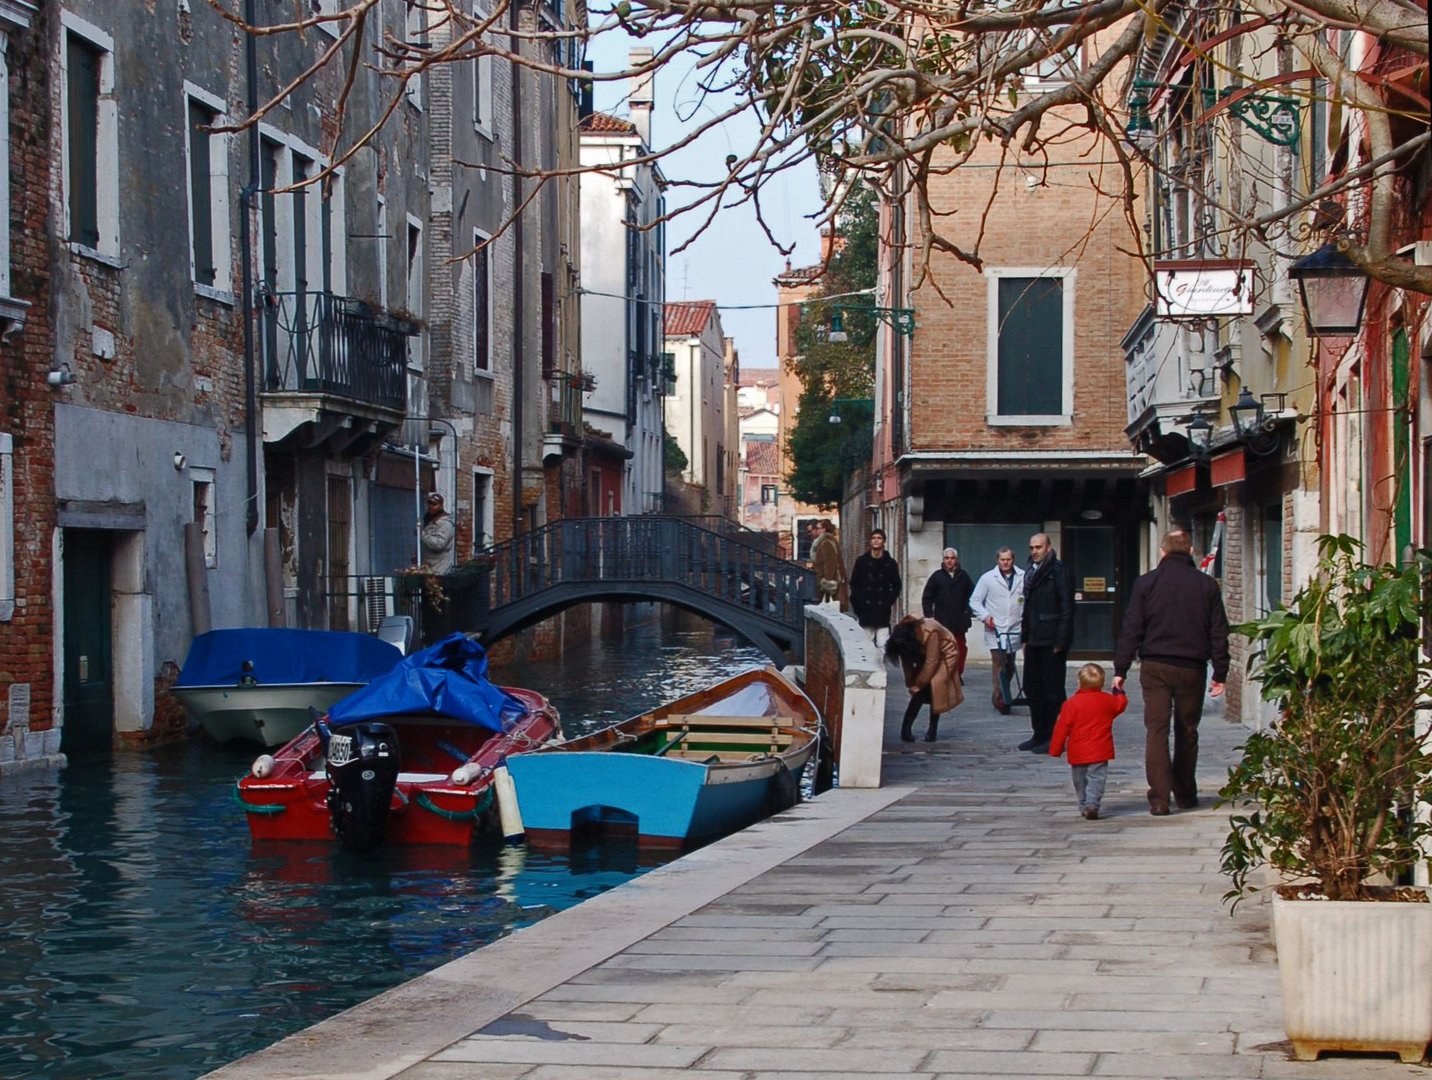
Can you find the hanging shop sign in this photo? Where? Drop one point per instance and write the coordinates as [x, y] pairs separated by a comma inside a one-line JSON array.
[[1203, 289]]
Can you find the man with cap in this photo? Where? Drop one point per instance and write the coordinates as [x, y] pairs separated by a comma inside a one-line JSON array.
[[437, 537]]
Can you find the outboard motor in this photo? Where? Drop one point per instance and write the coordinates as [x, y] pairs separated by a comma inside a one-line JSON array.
[[363, 763]]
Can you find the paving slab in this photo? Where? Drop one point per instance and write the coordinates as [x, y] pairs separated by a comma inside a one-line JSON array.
[[964, 921]]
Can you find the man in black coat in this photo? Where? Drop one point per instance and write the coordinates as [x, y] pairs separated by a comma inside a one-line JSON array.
[[946, 599], [1176, 624], [1048, 628], [874, 588]]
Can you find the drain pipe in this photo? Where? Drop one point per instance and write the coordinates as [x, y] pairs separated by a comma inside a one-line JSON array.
[[246, 202], [518, 405]]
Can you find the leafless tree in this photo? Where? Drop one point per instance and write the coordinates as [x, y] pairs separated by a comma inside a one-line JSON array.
[[896, 92]]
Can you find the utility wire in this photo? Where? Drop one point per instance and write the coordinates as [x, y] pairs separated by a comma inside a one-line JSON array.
[[728, 307]]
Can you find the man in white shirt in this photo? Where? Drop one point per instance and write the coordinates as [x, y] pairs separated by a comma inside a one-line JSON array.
[[998, 602]]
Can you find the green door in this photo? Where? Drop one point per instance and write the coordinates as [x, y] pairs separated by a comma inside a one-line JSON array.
[[89, 688], [1089, 556]]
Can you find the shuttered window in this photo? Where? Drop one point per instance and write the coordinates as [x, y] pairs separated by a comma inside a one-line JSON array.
[[482, 307], [82, 86], [1031, 348], [201, 192]]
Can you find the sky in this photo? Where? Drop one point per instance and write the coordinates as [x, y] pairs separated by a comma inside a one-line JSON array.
[[732, 262]]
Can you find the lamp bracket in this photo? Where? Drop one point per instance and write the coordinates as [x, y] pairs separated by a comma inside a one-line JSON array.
[[1273, 116], [902, 320]]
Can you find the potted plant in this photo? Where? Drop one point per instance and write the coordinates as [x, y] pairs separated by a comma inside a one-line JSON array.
[[1332, 796]]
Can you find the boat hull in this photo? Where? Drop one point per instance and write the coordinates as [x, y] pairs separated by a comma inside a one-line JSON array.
[[428, 807], [695, 769], [269, 715]]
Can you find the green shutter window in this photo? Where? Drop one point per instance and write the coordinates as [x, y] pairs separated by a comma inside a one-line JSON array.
[[83, 61], [482, 344], [201, 192], [1031, 347]]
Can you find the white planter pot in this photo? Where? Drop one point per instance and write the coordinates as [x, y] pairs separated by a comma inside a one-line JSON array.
[[1356, 976]]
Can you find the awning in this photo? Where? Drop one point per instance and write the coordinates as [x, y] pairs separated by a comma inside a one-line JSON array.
[[1181, 480], [1227, 468]]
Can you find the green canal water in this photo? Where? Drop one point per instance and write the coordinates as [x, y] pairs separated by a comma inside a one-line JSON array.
[[142, 934]]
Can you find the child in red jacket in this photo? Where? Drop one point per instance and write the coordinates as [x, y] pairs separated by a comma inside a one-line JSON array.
[[1086, 722]]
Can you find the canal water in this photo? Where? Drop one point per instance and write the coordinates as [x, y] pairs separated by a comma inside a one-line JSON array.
[[142, 934]]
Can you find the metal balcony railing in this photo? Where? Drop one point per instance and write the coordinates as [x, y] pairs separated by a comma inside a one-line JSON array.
[[315, 342]]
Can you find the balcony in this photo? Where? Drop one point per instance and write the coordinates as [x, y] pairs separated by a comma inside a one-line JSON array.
[[334, 362], [1168, 375]]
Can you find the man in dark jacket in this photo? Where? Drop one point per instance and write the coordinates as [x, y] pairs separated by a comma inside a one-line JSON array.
[[1048, 628], [1176, 624], [946, 599], [874, 588]]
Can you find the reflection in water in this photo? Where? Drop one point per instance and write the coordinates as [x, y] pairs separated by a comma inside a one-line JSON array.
[[143, 935]]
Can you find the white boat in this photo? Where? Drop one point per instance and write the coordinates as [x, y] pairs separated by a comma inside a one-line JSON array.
[[261, 684]]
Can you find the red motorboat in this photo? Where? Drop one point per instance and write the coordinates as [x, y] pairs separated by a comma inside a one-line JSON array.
[[412, 758]]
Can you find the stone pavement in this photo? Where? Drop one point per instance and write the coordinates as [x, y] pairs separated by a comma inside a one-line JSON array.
[[962, 921]]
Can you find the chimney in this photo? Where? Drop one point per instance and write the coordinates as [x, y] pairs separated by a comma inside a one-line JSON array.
[[639, 100]]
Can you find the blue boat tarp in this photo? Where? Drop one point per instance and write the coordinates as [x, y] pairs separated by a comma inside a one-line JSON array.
[[281, 657], [448, 679]]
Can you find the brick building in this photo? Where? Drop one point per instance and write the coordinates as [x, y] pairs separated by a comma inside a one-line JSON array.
[[1003, 412]]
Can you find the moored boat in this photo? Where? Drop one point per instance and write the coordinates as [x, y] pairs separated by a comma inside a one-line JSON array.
[[409, 759], [698, 767], [261, 683]]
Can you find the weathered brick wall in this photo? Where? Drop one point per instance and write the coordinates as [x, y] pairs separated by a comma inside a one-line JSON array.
[[1059, 221], [26, 401]]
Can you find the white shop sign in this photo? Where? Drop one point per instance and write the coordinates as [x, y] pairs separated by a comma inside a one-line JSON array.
[[1202, 289]]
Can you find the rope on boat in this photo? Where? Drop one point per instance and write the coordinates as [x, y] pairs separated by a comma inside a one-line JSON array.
[[421, 798], [257, 808]]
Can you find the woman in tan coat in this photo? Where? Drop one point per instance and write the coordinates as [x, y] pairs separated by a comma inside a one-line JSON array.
[[929, 656]]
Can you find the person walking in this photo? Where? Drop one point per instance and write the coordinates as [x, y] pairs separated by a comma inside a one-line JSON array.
[[927, 653], [1047, 627], [874, 588], [826, 562], [1086, 724], [438, 533], [947, 600], [998, 603], [1176, 625]]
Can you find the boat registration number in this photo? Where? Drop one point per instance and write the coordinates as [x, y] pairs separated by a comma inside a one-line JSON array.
[[340, 749]]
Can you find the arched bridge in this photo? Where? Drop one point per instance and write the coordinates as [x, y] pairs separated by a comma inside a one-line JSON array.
[[728, 579]]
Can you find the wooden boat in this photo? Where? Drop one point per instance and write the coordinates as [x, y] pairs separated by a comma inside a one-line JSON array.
[[262, 683], [695, 768], [410, 759]]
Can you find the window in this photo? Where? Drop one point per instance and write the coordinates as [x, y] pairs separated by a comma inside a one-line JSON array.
[[415, 289], [208, 157], [1030, 346], [91, 138], [203, 480], [549, 325], [481, 304], [383, 253], [482, 101], [481, 509], [414, 35]]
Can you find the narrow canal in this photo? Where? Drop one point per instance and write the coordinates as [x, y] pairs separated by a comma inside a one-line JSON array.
[[143, 935]]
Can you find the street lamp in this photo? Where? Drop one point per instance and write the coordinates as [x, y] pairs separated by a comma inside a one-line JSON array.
[[1253, 425], [1334, 291], [1200, 436], [1139, 131]]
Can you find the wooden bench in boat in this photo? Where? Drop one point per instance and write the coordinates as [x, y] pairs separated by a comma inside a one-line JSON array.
[[700, 720]]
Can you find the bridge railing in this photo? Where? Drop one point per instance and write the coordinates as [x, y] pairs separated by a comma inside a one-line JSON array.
[[646, 550]]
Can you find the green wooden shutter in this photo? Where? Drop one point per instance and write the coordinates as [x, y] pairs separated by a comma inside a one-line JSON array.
[[201, 192], [1031, 347], [83, 62]]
